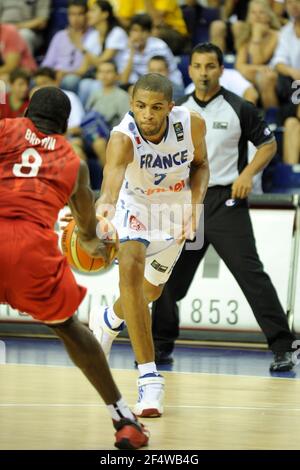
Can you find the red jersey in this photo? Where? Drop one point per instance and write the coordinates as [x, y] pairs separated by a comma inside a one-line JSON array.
[[37, 172]]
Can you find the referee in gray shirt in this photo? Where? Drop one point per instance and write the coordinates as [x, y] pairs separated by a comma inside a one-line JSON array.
[[231, 122]]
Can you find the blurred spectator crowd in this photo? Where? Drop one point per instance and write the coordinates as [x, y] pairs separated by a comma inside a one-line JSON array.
[[96, 49]]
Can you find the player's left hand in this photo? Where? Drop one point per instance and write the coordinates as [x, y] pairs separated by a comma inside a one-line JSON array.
[[241, 187], [190, 222]]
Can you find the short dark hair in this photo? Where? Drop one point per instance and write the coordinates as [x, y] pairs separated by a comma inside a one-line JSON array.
[[78, 3], [49, 110], [111, 62], [207, 47], [19, 73], [143, 20], [155, 82], [160, 58], [45, 72]]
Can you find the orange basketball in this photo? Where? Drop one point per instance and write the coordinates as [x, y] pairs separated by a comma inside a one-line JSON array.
[[75, 254]]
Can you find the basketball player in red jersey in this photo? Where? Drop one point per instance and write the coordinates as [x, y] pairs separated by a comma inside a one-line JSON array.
[[39, 174]]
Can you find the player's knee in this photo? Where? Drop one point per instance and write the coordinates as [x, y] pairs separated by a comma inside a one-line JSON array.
[[153, 293], [64, 325], [132, 270]]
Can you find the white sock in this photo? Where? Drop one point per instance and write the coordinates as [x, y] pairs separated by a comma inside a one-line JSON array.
[[113, 319], [148, 368], [120, 410]]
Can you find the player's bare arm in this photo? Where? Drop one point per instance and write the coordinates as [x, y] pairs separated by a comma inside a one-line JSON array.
[[82, 207], [199, 174], [119, 154]]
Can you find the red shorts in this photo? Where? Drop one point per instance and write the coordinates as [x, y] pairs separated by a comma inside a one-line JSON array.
[[35, 277]]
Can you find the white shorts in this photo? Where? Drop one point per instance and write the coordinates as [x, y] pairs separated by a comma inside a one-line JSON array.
[[159, 267], [133, 223]]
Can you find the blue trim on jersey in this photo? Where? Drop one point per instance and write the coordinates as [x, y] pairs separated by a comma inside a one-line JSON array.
[[141, 240], [126, 218]]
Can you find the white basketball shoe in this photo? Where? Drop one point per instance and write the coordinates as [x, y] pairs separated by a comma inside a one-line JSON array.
[[102, 330], [151, 396]]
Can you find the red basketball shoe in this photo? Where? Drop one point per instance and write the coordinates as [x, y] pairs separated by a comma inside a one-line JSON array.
[[130, 434]]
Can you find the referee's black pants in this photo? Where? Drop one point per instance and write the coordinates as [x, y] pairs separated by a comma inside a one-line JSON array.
[[229, 230]]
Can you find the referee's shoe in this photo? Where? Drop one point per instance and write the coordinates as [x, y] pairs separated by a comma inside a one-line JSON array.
[[283, 362]]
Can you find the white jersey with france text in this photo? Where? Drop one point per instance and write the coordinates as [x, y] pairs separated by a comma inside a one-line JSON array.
[[159, 172]]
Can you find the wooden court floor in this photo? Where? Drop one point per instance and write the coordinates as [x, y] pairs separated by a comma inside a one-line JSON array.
[[50, 407]]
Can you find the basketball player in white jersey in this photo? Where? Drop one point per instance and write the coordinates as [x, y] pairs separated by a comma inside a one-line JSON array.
[[156, 158]]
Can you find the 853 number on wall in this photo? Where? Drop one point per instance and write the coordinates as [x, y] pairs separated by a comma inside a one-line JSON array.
[[215, 312]]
